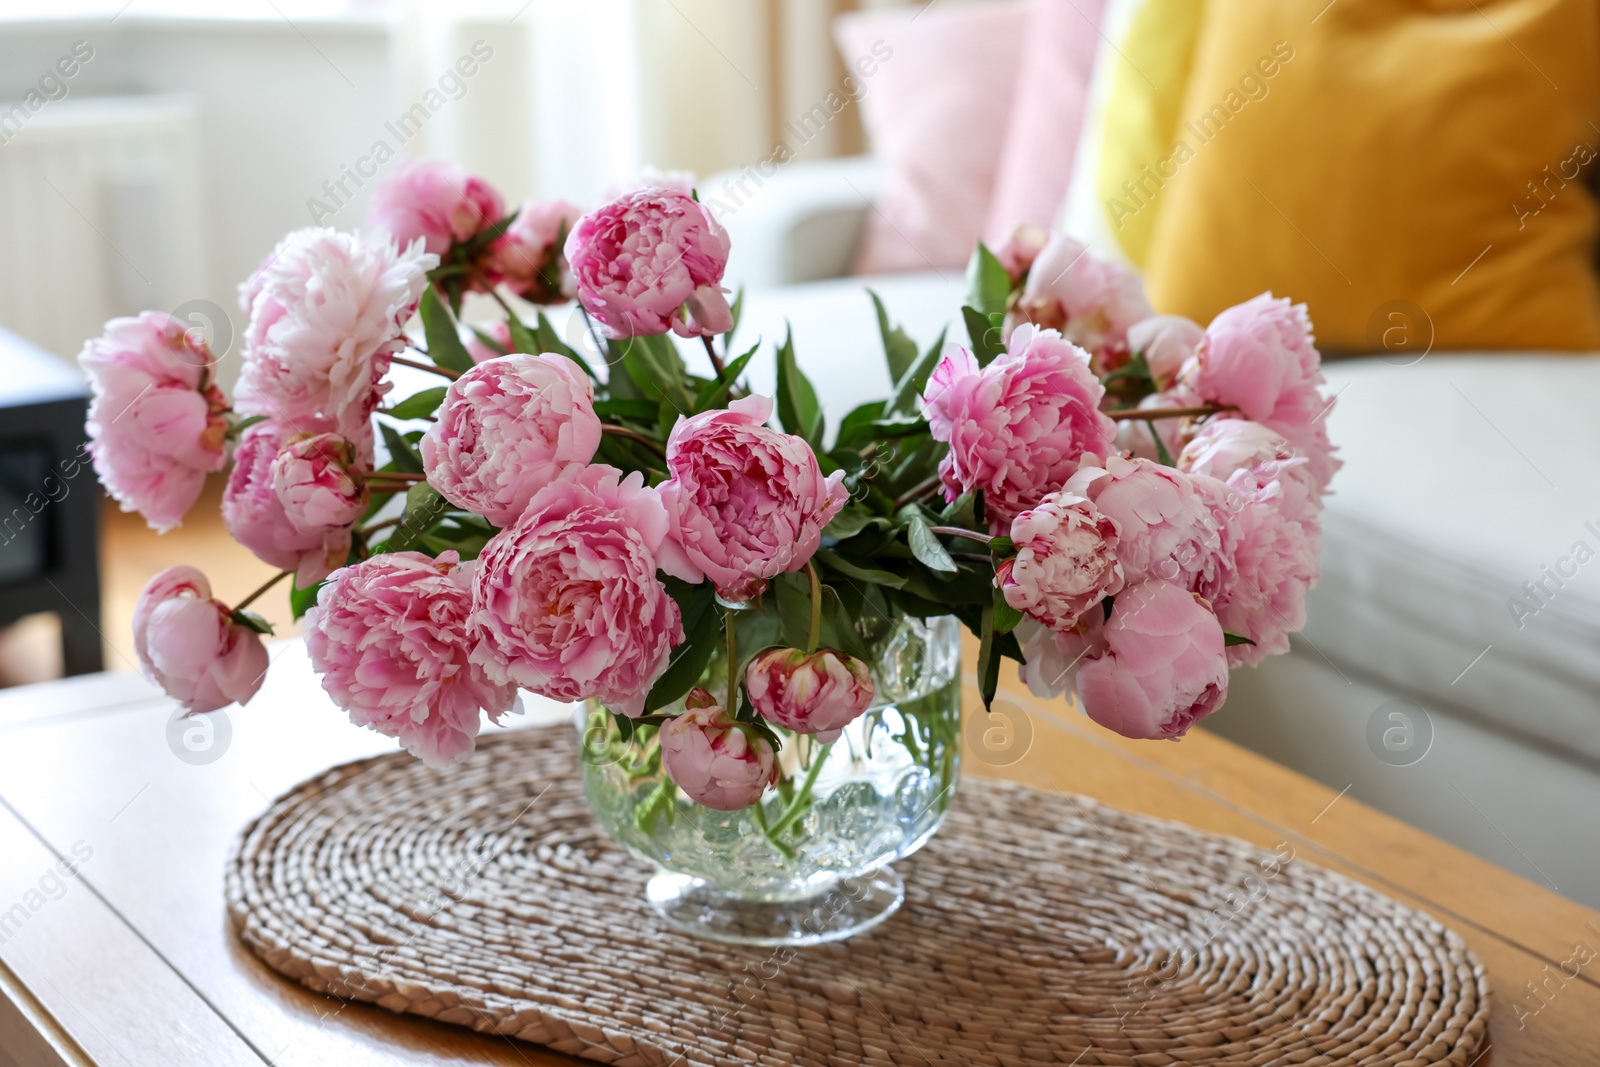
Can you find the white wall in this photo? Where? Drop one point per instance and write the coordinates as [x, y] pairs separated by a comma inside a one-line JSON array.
[[279, 113]]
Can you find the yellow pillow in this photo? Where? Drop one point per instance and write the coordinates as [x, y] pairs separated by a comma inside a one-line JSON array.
[[1130, 119], [1428, 154]]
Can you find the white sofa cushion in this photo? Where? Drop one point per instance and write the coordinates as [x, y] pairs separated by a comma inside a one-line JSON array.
[[1465, 477]]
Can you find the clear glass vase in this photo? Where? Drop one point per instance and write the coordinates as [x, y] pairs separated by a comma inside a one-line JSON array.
[[809, 862]]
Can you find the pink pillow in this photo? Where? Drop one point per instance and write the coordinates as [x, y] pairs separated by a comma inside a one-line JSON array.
[[1052, 92], [936, 113]]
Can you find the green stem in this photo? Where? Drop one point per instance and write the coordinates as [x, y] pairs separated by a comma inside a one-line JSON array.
[[760, 815], [731, 706], [814, 634], [956, 531], [797, 807], [632, 435], [431, 368], [251, 599]]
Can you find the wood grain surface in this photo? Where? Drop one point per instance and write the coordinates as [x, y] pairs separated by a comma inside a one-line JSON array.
[[130, 961]]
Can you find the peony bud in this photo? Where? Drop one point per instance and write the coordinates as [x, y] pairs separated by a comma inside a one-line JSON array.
[[190, 646], [315, 483], [652, 261], [720, 763], [1066, 561], [817, 693]]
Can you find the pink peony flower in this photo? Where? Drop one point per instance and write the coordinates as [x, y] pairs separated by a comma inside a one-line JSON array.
[[254, 513], [1091, 301], [435, 202], [529, 259], [1051, 657], [318, 483], [1165, 530], [1021, 249], [818, 693], [1018, 427], [745, 501], [507, 428], [652, 261], [189, 645], [390, 638], [1271, 547], [720, 763], [567, 602], [156, 425], [325, 316], [1166, 342], [1163, 668], [1066, 561], [1223, 447], [1260, 357]]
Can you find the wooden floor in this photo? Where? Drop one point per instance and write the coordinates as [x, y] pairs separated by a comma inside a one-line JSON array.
[[130, 552]]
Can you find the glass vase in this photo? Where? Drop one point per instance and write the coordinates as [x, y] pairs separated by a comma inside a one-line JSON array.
[[808, 863]]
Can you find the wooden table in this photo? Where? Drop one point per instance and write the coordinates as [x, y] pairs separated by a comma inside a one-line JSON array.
[[132, 962]]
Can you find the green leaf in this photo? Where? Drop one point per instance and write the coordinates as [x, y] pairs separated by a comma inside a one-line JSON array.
[[856, 427], [898, 348], [855, 570], [637, 410], [1229, 639], [244, 424], [489, 341], [522, 338], [851, 520], [1162, 455], [984, 335], [251, 621], [402, 457], [926, 547], [1002, 545], [988, 660], [656, 368], [303, 600], [1136, 368], [1006, 617], [444, 344], [546, 339], [838, 628], [419, 405], [738, 313], [702, 636], [424, 507], [714, 394], [988, 284], [959, 512], [798, 409], [909, 386], [792, 595]]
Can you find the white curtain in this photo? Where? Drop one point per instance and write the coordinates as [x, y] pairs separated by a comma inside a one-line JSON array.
[[581, 94]]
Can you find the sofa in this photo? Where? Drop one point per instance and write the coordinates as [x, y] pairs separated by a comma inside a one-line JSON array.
[[1449, 673]]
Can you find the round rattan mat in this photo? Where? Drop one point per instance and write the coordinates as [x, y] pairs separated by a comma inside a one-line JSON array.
[[1038, 929]]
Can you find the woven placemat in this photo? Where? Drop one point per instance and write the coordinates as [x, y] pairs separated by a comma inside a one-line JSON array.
[[1038, 929]]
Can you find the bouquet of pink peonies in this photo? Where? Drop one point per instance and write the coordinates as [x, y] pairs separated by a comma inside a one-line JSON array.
[[1123, 503]]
